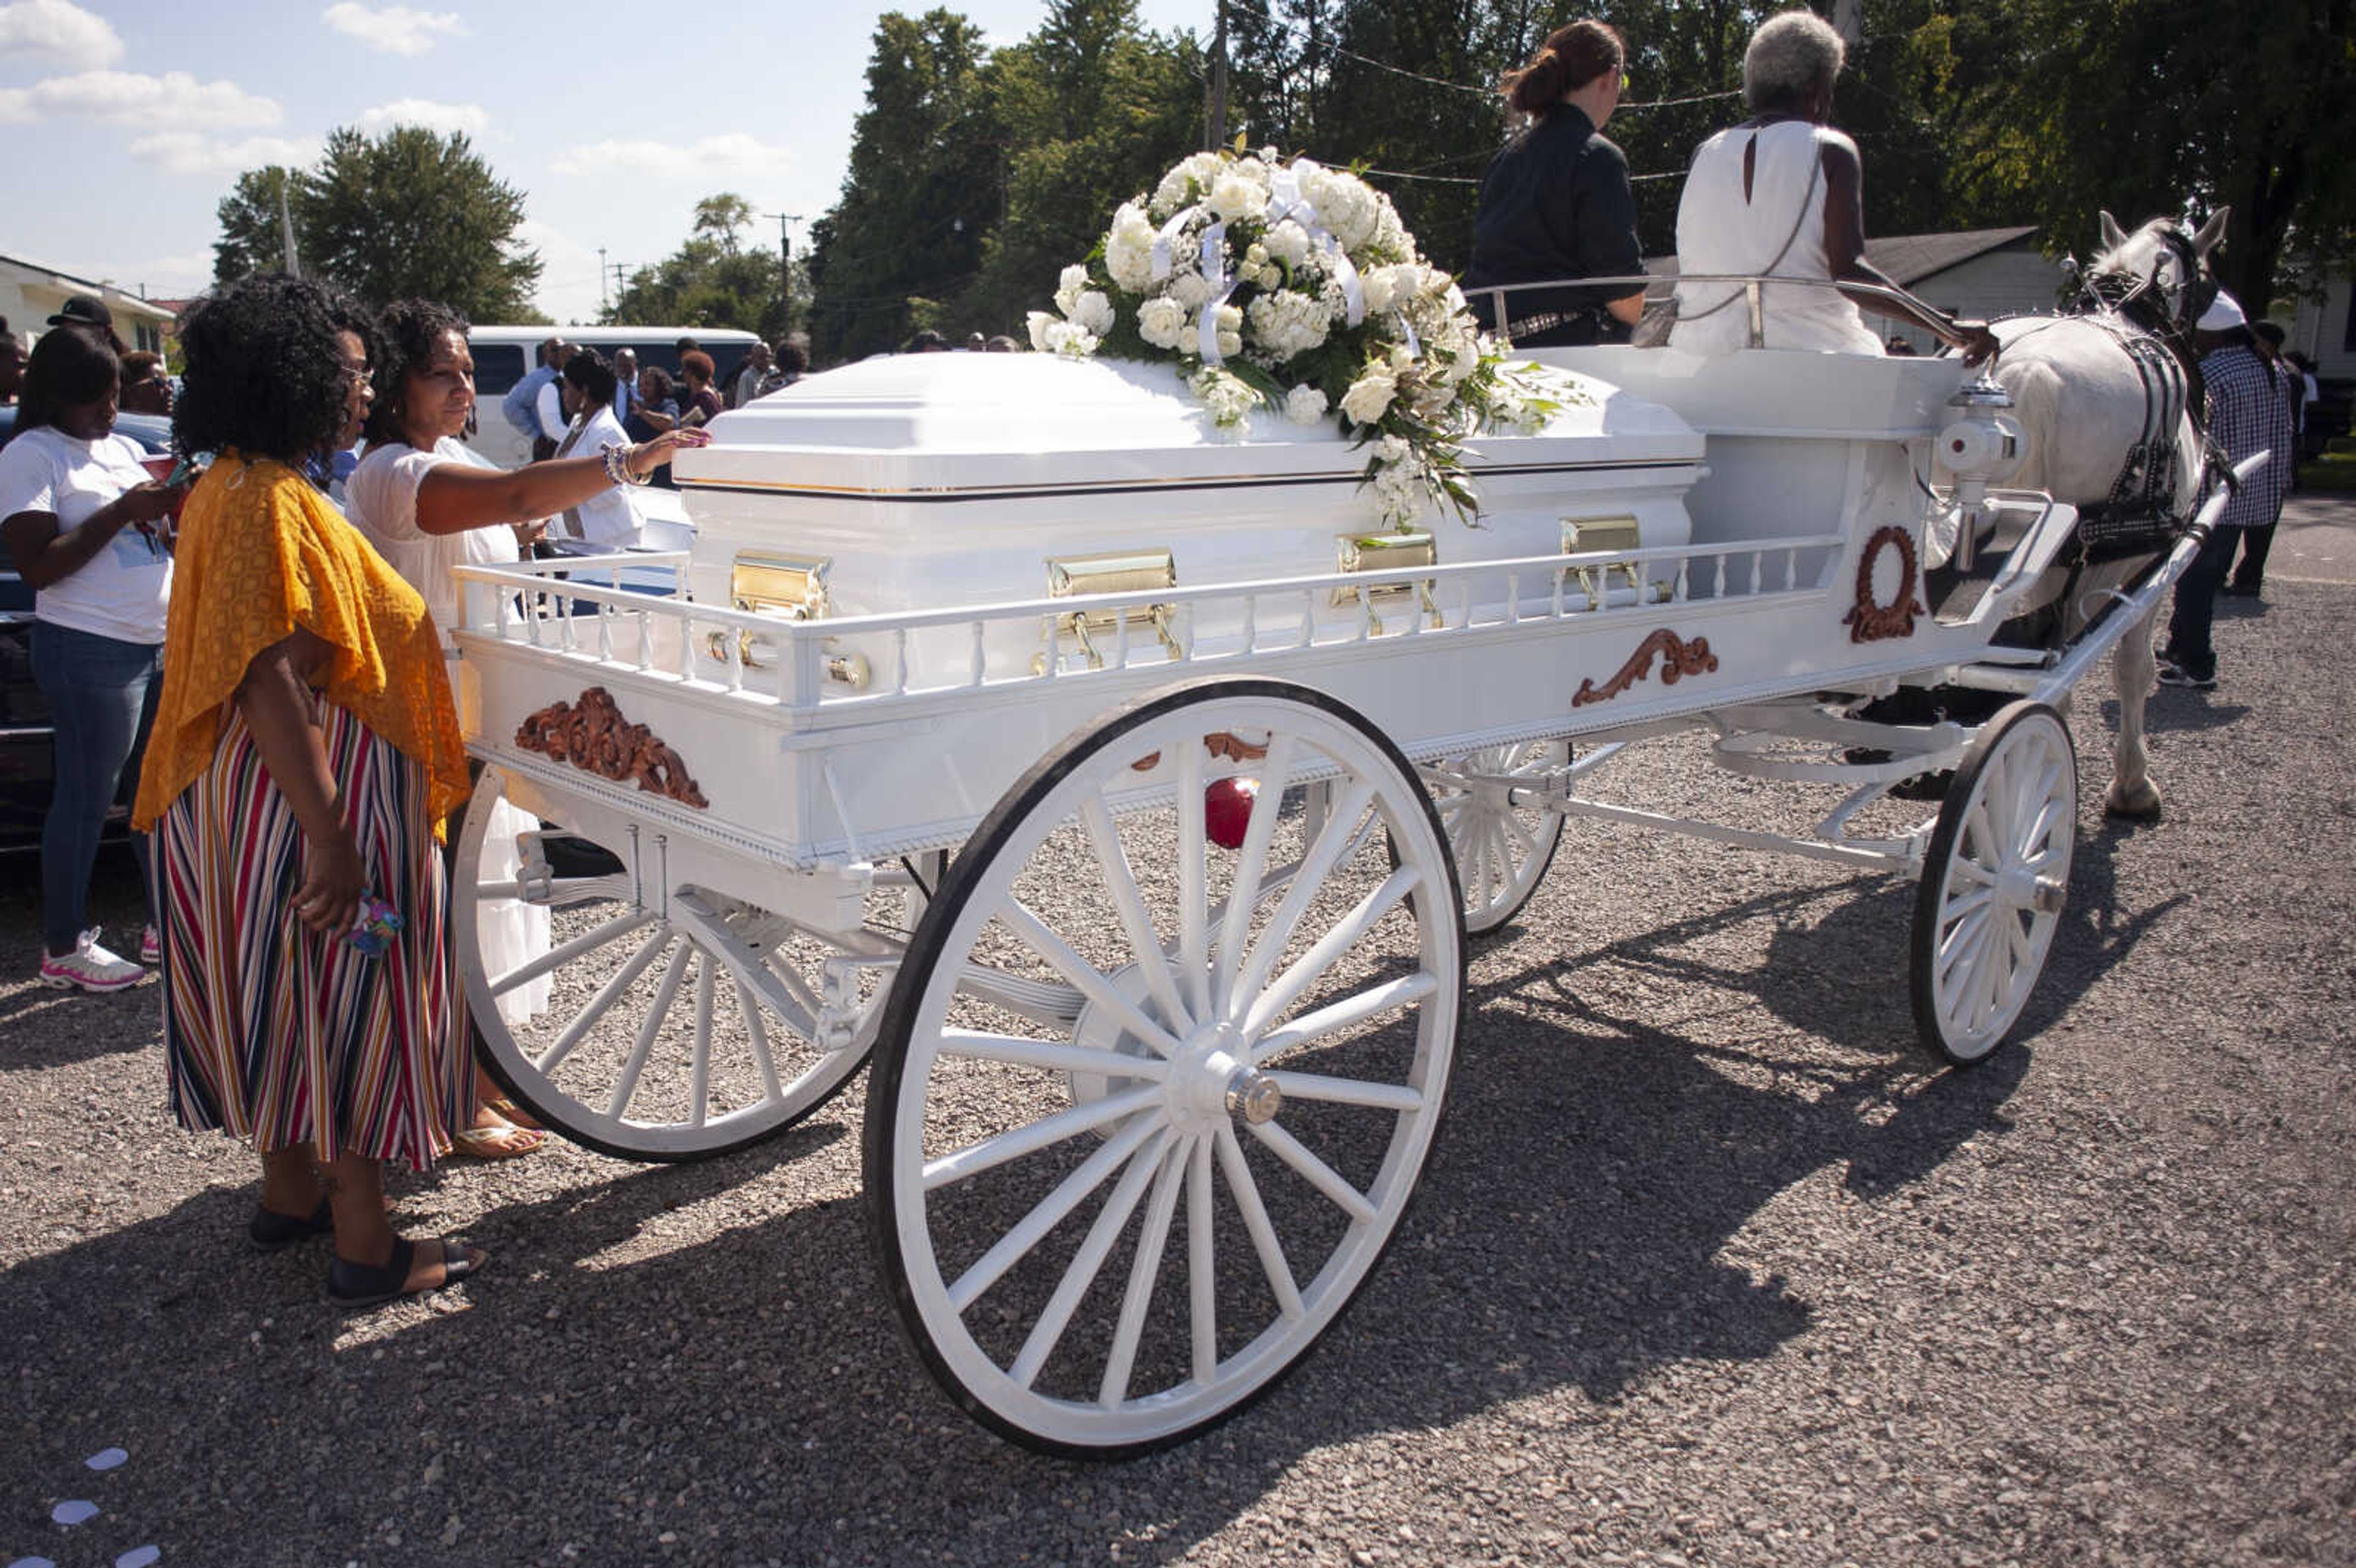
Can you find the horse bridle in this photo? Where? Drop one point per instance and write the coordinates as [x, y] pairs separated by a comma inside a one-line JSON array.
[[2134, 295]]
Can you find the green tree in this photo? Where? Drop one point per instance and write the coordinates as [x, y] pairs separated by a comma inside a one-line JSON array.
[[1093, 110], [253, 239], [926, 182], [408, 213], [712, 280]]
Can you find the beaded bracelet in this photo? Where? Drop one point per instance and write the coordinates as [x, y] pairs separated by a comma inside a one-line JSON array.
[[618, 466]]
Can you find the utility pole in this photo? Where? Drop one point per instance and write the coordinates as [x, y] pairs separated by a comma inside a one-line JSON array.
[[785, 221], [1216, 123], [617, 269], [604, 304]]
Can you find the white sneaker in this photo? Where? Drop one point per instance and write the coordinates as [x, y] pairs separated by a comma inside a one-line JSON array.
[[91, 967]]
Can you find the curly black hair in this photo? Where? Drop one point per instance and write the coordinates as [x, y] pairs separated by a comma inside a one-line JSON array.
[[262, 370], [590, 373], [411, 329]]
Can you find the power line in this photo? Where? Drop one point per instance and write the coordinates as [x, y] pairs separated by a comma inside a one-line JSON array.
[[1483, 92]]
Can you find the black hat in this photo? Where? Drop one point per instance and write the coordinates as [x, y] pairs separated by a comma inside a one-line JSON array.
[[80, 310]]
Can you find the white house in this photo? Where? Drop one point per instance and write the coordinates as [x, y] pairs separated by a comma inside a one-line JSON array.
[[2326, 329], [32, 291]]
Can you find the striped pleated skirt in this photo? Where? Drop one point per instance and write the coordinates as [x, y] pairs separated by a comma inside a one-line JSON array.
[[273, 1032]]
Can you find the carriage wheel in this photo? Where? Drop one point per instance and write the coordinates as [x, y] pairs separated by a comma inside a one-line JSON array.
[[1994, 882], [1109, 1227], [1502, 848], [646, 1034]]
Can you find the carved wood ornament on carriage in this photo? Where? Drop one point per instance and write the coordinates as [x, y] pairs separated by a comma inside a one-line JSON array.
[[1871, 620], [592, 735], [1679, 658]]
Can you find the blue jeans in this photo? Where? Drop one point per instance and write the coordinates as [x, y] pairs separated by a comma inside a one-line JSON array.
[[2189, 645], [101, 695]]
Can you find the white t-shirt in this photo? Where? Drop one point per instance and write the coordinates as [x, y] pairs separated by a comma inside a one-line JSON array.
[[381, 499], [120, 592]]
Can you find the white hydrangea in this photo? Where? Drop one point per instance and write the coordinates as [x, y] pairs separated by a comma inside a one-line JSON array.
[[1369, 396], [1161, 321], [1093, 311], [1284, 324], [1237, 196], [1346, 204], [1194, 174], [1068, 287], [1128, 249], [1190, 290], [1286, 243], [1305, 404]]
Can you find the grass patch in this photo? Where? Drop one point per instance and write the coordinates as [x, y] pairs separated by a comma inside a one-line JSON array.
[[2335, 470]]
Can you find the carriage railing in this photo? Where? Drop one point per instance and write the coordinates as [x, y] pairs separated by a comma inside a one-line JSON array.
[[868, 659], [1753, 292]]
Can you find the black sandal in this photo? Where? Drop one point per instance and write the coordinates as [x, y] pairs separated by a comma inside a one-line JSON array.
[[352, 1285], [271, 1231]]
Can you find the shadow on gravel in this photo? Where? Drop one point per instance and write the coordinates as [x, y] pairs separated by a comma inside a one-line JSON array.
[[683, 1364]]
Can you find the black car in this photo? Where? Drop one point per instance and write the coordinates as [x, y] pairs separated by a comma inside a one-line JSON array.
[[26, 768]]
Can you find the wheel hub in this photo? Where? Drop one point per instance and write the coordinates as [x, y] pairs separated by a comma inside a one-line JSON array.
[[1211, 1078]]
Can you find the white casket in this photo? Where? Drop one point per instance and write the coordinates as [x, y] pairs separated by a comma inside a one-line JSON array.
[[934, 481]]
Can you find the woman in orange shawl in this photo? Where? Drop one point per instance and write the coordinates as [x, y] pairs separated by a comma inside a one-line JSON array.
[[304, 748]]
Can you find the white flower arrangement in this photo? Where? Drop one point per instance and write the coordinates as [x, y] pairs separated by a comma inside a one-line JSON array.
[[1280, 284]]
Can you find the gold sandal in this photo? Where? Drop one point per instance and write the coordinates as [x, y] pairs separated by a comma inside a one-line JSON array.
[[504, 1141]]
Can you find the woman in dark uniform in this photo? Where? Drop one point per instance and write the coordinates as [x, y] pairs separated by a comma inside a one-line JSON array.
[[1556, 204]]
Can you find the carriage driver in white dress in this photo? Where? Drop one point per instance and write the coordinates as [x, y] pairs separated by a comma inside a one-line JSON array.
[[1783, 194]]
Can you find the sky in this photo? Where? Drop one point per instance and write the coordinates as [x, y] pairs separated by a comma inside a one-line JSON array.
[[125, 122]]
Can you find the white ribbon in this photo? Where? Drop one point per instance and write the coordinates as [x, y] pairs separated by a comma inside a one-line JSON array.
[[1285, 201], [1165, 243], [1223, 288]]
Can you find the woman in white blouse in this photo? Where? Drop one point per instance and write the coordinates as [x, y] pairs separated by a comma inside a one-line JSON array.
[[1782, 195], [430, 504]]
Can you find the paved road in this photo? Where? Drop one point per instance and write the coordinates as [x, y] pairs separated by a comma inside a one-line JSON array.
[[1713, 1268]]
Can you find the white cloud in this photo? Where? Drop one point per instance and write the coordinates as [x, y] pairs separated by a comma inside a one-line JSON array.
[[395, 29], [471, 118], [735, 155], [164, 277], [194, 153], [174, 101], [569, 290], [57, 30]]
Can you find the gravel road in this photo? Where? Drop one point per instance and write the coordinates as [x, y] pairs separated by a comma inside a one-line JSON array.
[[1713, 1266]]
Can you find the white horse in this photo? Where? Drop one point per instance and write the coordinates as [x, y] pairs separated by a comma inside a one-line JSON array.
[[2084, 395]]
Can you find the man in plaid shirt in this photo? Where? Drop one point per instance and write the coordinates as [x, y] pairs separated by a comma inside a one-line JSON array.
[[2247, 414]]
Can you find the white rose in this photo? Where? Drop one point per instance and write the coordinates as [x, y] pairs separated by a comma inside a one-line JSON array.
[[1190, 289], [1305, 404], [1368, 397], [1040, 322], [1069, 338], [1161, 322], [1378, 287], [1093, 310], [1230, 343], [1237, 195]]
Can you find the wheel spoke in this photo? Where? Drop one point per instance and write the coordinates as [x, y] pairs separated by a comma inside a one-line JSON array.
[[600, 1004], [1202, 1281], [1120, 881], [1348, 1013], [1315, 1171], [1048, 1212], [1251, 861], [1053, 1056], [1961, 904], [756, 1033], [1086, 1263], [1144, 1271], [557, 958], [1000, 1147], [1970, 870], [1348, 1091], [1256, 1222], [1194, 938], [1035, 935], [626, 1084], [1523, 840], [698, 1080], [1315, 867], [1958, 945], [1329, 947]]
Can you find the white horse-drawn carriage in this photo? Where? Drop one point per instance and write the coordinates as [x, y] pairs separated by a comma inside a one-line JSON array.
[[1128, 801]]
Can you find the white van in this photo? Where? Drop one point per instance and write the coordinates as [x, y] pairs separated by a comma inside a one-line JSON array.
[[503, 354]]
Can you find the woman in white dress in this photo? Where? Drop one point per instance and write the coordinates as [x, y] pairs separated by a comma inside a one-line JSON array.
[[1782, 194], [430, 504]]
